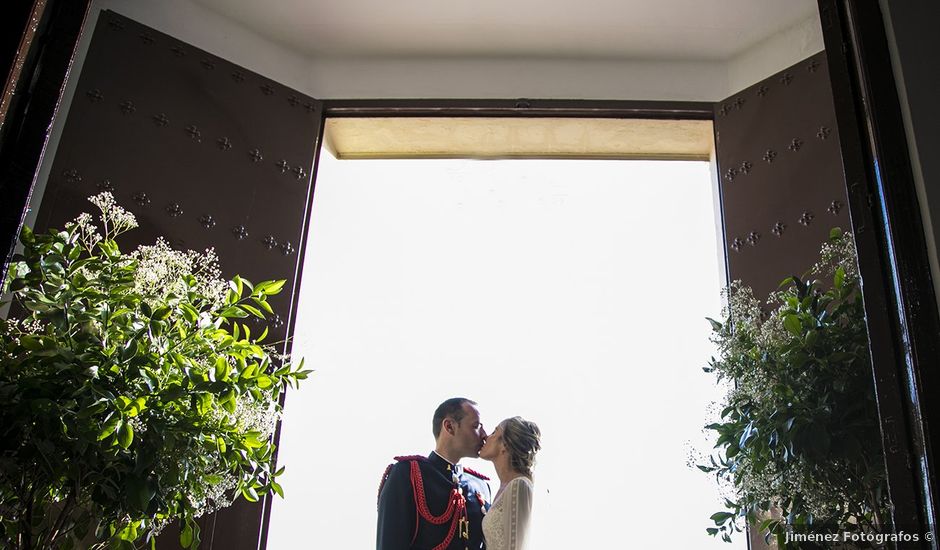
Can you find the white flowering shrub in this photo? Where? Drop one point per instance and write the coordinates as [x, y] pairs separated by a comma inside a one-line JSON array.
[[798, 437], [131, 391]]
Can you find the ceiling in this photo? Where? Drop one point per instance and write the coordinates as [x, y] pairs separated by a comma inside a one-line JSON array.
[[700, 30]]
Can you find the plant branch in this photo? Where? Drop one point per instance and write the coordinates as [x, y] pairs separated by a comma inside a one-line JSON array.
[[64, 513], [26, 533]]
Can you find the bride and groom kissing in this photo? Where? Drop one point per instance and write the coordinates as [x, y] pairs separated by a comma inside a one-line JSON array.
[[434, 503]]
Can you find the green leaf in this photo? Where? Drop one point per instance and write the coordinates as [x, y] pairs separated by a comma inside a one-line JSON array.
[[251, 440], [136, 406], [109, 427], [721, 517], [32, 343], [793, 325], [253, 310], [238, 287], [204, 403], [249, 371], [250, 494], [263, 304], [93, 409], [839, 278], [162, 313], [229, 404], [189, 313], [186, 534], [222, 369], [270, 287], [125, 435], [127, 535], [235, 312], [141, 492], [26, 236]]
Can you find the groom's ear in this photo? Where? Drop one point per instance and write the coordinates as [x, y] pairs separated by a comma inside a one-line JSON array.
[[448, 425]]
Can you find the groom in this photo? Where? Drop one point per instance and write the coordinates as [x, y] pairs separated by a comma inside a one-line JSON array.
[[434, 502]]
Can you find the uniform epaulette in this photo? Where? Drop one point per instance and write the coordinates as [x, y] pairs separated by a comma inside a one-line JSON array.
[[405, 458], [409, 458], [475, 473]]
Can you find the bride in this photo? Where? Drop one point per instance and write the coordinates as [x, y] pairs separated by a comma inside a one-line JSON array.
[[511, 448]]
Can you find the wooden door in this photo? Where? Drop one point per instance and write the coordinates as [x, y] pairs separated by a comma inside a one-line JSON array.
[[206, 154], [780, 166], [783, 187]]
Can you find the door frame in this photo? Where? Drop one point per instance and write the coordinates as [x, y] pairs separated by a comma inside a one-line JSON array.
[[900, 301]]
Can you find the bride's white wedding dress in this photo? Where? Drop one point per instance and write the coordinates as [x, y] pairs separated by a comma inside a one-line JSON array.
[[506, 524]]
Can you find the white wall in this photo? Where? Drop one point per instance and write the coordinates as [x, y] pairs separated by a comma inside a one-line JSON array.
[[219, 35], [782, 50], [441, 77], [513, 78]]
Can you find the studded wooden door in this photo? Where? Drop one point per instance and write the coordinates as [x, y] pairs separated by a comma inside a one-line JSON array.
[[782, 186], [206, 154], [782, 183]]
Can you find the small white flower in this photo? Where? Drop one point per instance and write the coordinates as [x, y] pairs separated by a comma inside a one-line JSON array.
[[116, 219]]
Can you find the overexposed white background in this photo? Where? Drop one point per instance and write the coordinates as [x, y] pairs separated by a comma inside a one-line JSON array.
[[573, 293]]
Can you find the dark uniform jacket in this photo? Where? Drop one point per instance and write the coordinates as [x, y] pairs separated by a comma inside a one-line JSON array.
[[401, 526]]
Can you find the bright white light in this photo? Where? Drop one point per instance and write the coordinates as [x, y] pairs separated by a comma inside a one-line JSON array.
[[573, 293]]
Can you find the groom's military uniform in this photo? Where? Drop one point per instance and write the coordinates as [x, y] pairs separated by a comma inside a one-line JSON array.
[[427, 503]]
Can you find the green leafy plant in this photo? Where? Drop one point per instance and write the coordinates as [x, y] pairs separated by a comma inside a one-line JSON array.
[[798, 438], [132, 392]]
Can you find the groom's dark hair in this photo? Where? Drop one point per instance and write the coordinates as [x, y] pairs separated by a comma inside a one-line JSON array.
[[452, 408]]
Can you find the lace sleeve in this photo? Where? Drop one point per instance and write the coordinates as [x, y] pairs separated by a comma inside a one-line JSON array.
[[520, 511]]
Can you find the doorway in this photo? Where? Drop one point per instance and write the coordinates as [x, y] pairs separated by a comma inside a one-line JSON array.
[[571, 291]]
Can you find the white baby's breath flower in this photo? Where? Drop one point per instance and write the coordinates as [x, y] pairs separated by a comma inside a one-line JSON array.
[[251, 415], [161, 272], [116, 219], [87, 231]]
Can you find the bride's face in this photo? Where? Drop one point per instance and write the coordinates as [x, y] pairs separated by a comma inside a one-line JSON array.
[[493, 445]]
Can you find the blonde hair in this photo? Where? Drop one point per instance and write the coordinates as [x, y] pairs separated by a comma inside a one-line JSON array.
[[522, 440]]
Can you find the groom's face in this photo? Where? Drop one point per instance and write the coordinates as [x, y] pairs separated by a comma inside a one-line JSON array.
[[469, 434]]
